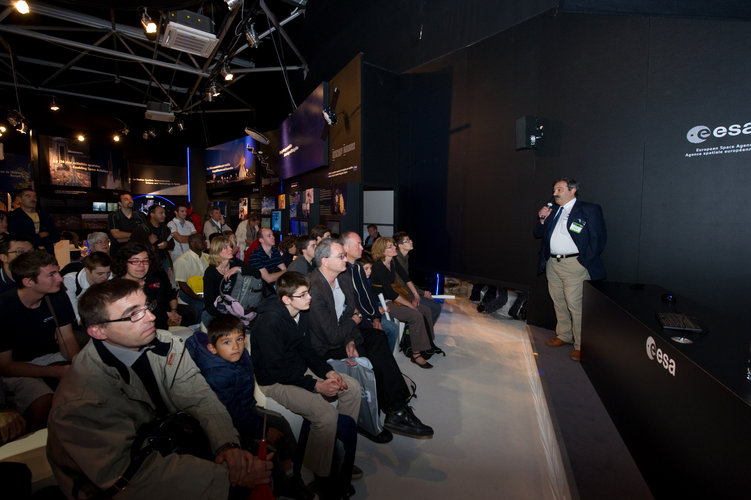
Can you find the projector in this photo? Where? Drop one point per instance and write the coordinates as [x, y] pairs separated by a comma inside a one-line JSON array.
[[159, 111], [189, 32]]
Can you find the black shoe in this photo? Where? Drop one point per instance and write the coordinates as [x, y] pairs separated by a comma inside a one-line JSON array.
[[475, 297], [384, 437], [425, 365], [405, 422], [433, 351]]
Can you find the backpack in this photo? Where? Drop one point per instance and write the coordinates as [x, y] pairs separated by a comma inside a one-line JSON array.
[[243, 298]]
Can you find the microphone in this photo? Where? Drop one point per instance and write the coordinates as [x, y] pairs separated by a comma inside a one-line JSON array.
[[549, 205]]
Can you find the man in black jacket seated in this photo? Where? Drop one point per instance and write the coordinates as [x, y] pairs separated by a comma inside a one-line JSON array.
[[335, 333]]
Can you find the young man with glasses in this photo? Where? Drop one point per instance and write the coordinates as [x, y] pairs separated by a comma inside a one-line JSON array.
[[10, 248], [128, 375], [288, 370], [37, 335]]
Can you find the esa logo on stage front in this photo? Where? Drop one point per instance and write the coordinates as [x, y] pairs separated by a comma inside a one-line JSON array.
[[662, 358]]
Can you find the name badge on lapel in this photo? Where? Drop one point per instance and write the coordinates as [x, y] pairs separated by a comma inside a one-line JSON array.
[[577, 226]]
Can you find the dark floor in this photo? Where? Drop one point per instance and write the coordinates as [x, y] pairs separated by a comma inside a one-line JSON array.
[[599, 464]]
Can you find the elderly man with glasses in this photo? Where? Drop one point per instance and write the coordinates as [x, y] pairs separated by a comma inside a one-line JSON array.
[[129, 375]]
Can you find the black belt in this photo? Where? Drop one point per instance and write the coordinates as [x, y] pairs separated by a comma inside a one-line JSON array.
[[559, 256]]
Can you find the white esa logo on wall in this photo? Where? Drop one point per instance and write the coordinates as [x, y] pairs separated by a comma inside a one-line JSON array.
[[701, 133], [662, 358]]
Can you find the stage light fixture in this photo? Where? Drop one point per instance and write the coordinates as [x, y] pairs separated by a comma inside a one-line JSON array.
[[209, 95], [226, 73], [214, 90], [250, 35], [231, 4], [181, 125], [170, 128], [149, 26], [125, 130], [22, 7], [3, 129], [54, 106], [22, 128], [145, 135], [152, 132], [116, 138], [81, 137]]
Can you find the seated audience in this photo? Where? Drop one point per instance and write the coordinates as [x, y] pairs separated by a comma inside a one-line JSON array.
[[406, 308], [220, 277], [214, 223], [306, 253], [180, 228], [3, 225], [373, 235], [367, 302], [96, 269], [320, 232], [127, 376], [98, 242], [267, 259], [189, 269], [225, 363], [37, 338], [10, 248], [404, 245], [335, 333], [26, 220], [295, 376], [288, 250], [247, 232], [136, 262]]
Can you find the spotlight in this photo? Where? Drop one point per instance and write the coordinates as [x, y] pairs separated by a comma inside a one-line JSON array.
[[3, 129], [170, 128], [250, 35], [116, 138], [226, 73], [22, 128], [214, 90], [149, 26], [181, 125], [151, 132], [125, 130], [209, 95], [81, 137], [22, 7], [54, 106], [145, 135], [231, 4]]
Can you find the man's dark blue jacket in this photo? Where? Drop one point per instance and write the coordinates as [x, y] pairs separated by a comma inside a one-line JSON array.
[[590, 241]]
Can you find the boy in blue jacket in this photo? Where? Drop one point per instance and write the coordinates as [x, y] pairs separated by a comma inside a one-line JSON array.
[[225, 363]]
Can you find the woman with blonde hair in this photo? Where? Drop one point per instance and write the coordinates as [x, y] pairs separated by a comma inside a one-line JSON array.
[[406, 301], [220, 276]]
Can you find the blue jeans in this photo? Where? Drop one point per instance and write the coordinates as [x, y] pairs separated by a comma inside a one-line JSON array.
[[391, 329]]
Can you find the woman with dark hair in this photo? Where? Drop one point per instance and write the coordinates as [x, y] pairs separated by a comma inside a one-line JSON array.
[[137, 262], [220, 276], [407, 309]]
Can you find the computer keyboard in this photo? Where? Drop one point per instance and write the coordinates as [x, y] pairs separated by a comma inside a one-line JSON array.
[[678, 321]]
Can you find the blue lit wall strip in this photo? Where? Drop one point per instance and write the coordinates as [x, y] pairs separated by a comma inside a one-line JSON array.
[[437, 283], [188, 151]]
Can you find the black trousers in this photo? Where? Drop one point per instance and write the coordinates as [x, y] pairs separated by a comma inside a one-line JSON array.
[[392, 391]]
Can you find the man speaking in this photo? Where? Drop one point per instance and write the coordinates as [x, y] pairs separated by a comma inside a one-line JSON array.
[[573, 237]]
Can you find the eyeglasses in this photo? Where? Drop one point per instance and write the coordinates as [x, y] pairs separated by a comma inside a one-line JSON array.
[[341, 256], [404, 242], [301, 296], [136, 315], [18, 251], [137, 262]]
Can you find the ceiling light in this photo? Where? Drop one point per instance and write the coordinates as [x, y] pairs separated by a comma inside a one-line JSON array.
[[209, 95], [54, 106], [214, 90], [226, 73], [181, 125], [231, 4], [81, 137], [22, 128], [3, 129], [152, 132], [125, 130], [149, 26], [145, 135], [250, 35], [116, 138], [170, 128], [22, 7]]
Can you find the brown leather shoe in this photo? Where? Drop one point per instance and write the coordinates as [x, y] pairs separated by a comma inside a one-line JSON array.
[[556, 342], [576, 355]]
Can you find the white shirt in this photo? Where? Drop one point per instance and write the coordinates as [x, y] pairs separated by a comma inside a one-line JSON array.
[[188, 265], [185, 228], [561, 242]]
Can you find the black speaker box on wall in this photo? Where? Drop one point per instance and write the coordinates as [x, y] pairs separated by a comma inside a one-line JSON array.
[[526, 130]]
